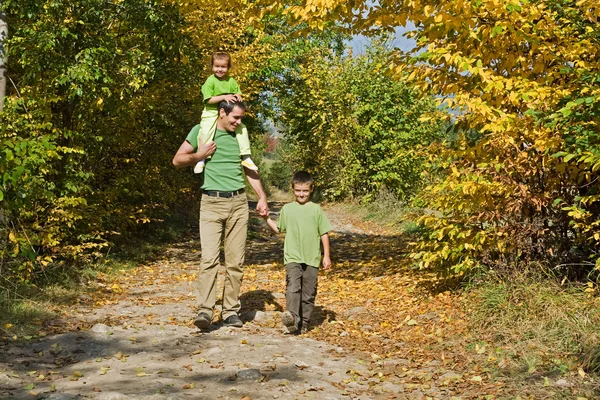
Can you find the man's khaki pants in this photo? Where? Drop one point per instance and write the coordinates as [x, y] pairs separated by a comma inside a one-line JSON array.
[[226, 219]]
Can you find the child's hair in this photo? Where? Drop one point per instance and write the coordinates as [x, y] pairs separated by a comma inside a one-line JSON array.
[[221, 55], [302, 177]]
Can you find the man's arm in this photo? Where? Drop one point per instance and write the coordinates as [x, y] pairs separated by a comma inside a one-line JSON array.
[[254, 179], [187, 157], [326, 255]]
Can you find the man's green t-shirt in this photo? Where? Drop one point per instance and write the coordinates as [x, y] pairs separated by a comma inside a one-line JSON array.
[[223, 171], [303, 225], [216, 87]]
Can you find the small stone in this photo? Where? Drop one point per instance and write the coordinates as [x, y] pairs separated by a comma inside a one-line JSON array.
[[59, 396], [213, 351], [301, 365], [356, 310], [562, 383], [254, 315], [339, 350], [277, 295], [428, 316], [449, 377], [248, 374], [392, 388], [344, 334], [100, 328]]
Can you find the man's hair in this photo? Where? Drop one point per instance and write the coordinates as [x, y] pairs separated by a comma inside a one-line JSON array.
[[302, 177], [220, 55], [228, 107]]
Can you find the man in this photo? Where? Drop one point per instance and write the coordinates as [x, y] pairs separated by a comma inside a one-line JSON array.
[[223, 212]]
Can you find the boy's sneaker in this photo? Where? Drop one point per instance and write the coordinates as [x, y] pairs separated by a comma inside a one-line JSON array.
[[202, 321], [304, 330], [289, 321], [233, 320], [199, 167], [248, 163]]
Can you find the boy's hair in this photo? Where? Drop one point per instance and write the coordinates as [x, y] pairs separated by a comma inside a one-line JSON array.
[[302, 177], [221, 55], [228, 107]]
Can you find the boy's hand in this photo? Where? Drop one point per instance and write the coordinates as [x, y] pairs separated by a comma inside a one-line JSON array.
[[326, 263], [238, 97]]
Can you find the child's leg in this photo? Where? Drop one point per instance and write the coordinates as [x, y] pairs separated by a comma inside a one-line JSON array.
[[241, 134], [293, 296], [208, 125], [309, 293]]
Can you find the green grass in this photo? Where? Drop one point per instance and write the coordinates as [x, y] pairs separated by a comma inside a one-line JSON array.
[[386, 210], [25, 308], [538, 326]]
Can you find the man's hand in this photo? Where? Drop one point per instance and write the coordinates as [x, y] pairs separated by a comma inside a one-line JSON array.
[[263, 208], [187, 157], [326, 263]]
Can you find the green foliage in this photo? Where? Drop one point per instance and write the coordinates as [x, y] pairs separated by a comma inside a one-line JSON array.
[[87, 128], [354, 127]]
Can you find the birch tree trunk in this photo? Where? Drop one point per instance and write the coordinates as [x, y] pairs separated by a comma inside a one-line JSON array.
[[3, 36]]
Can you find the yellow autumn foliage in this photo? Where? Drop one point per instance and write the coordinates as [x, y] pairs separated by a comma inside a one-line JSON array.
[[521, 80]]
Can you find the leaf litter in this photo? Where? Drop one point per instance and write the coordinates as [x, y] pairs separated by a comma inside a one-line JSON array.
[[380, 330]]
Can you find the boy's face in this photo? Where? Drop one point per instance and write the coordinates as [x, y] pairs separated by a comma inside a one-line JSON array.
[[302, 192], [220, 67]]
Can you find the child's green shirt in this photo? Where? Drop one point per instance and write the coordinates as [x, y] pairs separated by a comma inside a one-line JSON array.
[[303, 225], [216, 87]]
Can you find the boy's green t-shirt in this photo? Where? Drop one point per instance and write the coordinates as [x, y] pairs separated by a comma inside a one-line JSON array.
[[223, 171], [303, 225], [216, 87]]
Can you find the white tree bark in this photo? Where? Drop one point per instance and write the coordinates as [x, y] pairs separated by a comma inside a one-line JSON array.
[[3, 59]]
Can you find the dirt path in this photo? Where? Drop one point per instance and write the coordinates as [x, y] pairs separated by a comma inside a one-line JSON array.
[[134, 339], [380, 331]]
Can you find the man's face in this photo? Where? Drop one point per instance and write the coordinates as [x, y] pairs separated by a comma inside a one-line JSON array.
[[230, 122]]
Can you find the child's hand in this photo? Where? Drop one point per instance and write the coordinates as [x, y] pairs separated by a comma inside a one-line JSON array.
[[238, 97], [230, 98], [326, 263]]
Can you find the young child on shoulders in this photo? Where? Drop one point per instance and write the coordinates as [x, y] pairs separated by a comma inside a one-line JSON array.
[[306, 229], [218, 87]]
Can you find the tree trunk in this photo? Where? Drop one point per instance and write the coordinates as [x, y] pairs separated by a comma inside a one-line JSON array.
[[3, 60]]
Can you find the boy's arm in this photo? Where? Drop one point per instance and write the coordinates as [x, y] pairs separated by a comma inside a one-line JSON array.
[[326, 256], [271, 224]]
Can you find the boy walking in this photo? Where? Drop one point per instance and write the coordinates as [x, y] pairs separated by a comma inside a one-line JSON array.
[[306, 228]]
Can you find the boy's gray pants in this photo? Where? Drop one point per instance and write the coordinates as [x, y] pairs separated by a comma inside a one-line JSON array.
[[300, 291]]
